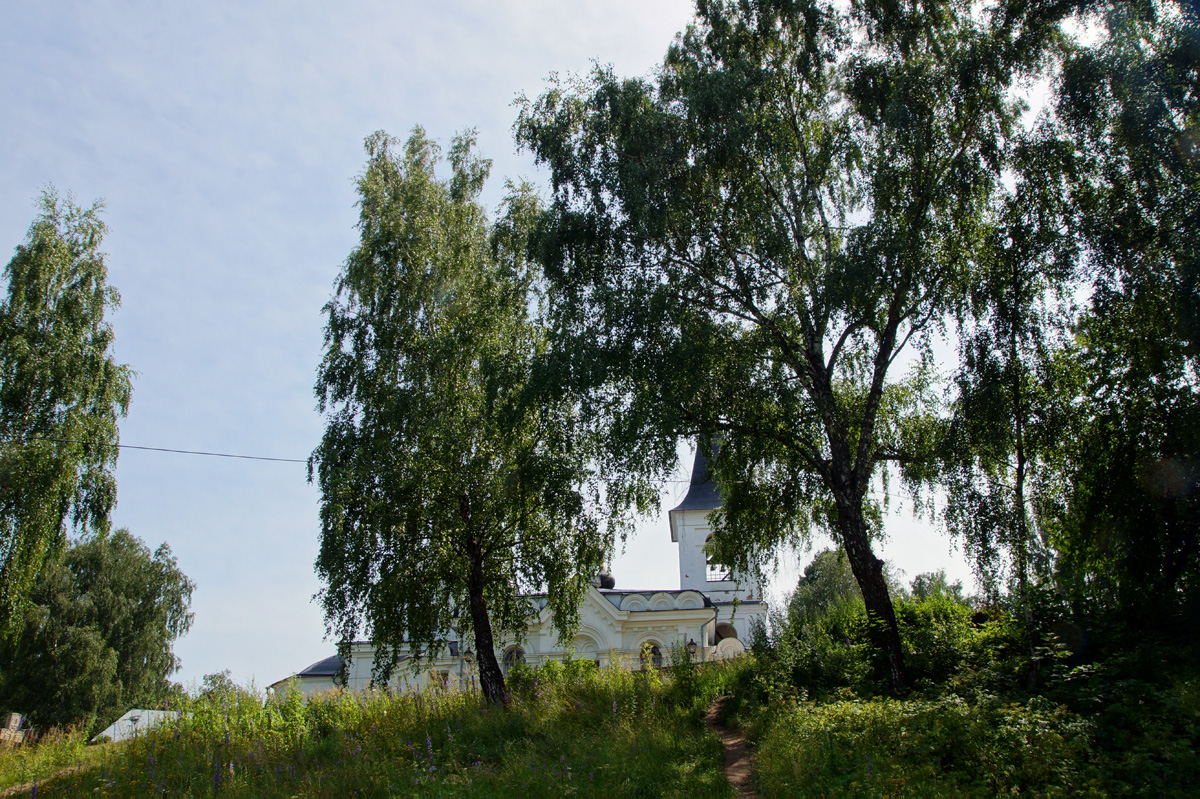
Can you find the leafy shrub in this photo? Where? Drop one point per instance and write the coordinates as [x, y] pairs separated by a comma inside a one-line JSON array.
[[1145, 705], [938, 635], [926, 748]]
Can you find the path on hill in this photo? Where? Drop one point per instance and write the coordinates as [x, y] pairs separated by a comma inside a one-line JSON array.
[[28, 788], [737, 751]]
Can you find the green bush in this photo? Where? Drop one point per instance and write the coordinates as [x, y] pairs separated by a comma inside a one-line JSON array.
[[824, 653], [938, 636], [926, 748], [1145, 705], [53, 751]]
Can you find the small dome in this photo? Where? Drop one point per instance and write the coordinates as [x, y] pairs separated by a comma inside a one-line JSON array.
[[607, 581]]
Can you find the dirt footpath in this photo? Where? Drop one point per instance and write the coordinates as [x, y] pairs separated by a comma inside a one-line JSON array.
[[737, 751]]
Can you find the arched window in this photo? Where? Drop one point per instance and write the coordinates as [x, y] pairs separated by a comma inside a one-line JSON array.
[[651, 655], [716, 572], [513, 656]]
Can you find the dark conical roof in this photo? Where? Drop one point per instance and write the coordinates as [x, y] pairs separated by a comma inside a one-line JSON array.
[[702, 492]]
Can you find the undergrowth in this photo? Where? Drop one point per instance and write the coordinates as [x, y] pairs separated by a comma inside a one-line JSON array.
[[1120, 724], [569, 730], [53, 752], [1123, 721]]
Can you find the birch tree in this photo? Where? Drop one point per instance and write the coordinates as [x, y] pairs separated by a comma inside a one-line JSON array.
[[451, 486], [748, 244], [61, 394]]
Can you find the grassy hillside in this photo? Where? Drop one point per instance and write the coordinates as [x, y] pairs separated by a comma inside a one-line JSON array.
[[1113, 728], [572, 731]]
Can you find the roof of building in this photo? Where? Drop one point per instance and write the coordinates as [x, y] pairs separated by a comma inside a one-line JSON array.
[[615, 597], [702, 491], [328, 667], [323, 668], [134, 722]]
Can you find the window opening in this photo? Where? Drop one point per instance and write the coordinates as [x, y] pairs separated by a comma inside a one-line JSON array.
[[514, 656], [715, 572], [651, 656]]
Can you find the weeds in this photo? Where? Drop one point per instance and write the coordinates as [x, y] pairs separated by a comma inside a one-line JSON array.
[[51, 753], [570, 730]]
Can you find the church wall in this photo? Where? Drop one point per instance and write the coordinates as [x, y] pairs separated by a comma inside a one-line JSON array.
[[693, 529], [606, 634]]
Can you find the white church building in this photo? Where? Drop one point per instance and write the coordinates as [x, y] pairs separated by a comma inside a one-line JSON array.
[[710, 615]]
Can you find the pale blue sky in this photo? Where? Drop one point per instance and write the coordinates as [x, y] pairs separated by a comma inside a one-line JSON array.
[[224, 138]]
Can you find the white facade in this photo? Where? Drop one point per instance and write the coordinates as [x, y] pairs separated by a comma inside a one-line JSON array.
[[615, 627], [712, 610]]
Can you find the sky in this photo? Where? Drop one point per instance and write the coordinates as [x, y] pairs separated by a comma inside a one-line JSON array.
[[224, 139]]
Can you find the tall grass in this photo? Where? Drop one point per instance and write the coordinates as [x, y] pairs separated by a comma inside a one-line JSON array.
[[569, 731], [49, 754]]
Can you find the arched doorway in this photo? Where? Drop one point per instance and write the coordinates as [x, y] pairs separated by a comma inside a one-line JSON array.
[[513, 656], [651, 655]]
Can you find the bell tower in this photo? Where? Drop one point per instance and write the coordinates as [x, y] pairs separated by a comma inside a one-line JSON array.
[[690, 528]]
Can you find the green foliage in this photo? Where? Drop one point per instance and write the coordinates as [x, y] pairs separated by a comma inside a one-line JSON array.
[[744, 246], [928, 584], [927, 748], [1127, 725], [220, 689], [1129, 535], [97, 634], [820, 644], [61, 393], [1008, 417], [821, 641], [827, 586], [938, 634], [576, 730], [1126, 721], [51, 753], [572, 730], [1145, 705], [451, 485], [685, 676]]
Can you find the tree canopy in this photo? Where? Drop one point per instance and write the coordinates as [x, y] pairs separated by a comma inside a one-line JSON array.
[[96, 636], [61, 394], [1129, 532], [450, 486], [750, 244]]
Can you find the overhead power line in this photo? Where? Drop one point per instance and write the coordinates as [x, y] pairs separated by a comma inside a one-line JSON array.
[[165, 449], [198, 452]]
